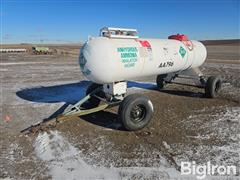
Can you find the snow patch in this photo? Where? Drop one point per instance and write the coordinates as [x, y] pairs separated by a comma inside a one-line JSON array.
[[224, 125], [65, 161]]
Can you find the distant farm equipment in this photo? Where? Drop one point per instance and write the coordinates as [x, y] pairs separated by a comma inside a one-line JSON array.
[[41, 50], [12, 50]]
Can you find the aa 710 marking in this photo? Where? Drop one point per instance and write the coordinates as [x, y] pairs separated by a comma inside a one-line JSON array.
[[166, 64]]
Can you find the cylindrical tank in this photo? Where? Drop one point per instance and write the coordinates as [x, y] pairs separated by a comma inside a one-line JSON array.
[[105, 60]]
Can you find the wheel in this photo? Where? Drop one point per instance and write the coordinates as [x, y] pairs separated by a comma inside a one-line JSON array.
[[160, 81], [93, 101], [213, 86], [135, 112]]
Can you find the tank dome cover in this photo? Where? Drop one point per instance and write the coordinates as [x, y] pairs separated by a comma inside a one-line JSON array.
[[180, 37]]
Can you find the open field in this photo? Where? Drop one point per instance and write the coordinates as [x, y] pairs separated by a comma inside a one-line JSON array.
[[186, 126]]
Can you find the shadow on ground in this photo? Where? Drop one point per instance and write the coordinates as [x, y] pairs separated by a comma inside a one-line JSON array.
[[70, 94], [73, 92]]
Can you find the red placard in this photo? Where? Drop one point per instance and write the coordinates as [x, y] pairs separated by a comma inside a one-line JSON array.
[[144, 43]]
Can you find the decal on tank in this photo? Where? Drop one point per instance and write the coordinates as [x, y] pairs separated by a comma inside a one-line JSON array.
[[147, 45], [182, 51], [82, 63], [128, 56], [144, 43], [86, 72]]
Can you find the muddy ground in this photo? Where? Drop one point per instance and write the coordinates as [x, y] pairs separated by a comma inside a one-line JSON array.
[[186, 126]]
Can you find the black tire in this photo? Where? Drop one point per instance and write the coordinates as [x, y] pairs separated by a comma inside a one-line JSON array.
[[160, 81], [213, 86], [93, 101], [135, 112]]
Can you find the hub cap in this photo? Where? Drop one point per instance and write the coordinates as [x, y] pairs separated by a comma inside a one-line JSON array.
[[138, 113]]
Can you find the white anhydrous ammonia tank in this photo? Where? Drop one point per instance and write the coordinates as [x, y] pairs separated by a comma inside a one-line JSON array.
[[106, 60]]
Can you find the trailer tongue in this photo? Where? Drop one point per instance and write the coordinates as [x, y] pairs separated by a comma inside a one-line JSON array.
[[73, 111]]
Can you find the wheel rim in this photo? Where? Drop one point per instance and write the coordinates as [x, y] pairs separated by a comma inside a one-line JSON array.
[[218, 86], [138, 113]]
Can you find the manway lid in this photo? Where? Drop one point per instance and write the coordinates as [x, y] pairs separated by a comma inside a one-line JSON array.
[[180, 37], [118, 33]]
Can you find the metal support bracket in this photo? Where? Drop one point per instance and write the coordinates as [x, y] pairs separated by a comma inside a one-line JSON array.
[[195, 75]]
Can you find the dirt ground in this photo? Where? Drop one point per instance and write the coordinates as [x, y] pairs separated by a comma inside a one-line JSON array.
[[186, 126]]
